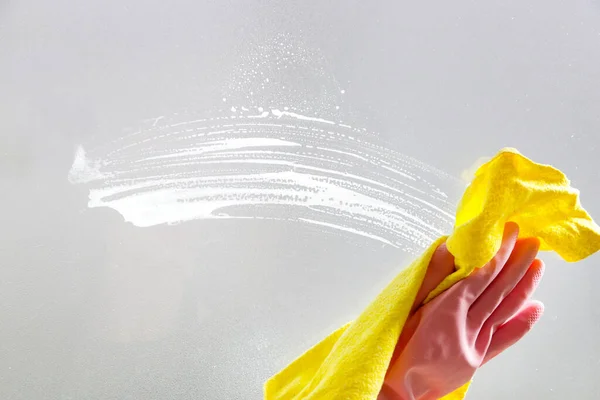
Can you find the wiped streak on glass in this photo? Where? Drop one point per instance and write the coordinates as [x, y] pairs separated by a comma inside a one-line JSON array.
[[269, 164]]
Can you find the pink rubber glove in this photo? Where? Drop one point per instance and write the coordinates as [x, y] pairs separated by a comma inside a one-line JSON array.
[[446, 340]]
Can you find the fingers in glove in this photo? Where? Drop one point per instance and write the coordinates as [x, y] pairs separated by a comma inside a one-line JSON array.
[[518, 297], [514, 329], [474, 285], [512, 273]]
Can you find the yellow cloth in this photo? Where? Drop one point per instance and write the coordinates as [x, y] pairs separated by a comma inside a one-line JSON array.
[[351, 363]]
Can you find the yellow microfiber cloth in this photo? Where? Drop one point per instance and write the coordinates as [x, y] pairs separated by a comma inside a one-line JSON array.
[[351, 363]]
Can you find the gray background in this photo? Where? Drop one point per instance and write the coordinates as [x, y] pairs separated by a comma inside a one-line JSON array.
[[93, 308]]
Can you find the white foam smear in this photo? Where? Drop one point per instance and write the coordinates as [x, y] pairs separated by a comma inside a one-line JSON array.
[[268, 164]]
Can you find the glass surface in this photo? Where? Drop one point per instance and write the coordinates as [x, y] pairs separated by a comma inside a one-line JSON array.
[[195, 192]]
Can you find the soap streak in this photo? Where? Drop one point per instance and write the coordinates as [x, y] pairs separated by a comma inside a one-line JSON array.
[[276, 165]]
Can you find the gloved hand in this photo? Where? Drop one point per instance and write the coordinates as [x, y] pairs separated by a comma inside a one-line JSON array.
[[445, 341]]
